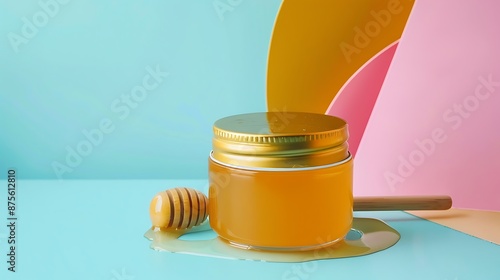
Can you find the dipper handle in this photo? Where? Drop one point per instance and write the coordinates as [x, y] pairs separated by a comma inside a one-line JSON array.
[[388, 203]]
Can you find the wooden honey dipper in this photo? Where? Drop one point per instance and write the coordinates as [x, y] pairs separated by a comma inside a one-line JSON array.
[[178, 208], [183, 208]]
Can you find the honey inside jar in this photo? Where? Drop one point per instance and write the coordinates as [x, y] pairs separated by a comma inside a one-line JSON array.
[[280, 183]]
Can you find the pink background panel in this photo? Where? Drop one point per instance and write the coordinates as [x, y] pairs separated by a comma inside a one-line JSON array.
[[437, 88], [355, 100]]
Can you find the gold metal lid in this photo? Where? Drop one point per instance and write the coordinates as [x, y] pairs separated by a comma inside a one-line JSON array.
[[280, 140]]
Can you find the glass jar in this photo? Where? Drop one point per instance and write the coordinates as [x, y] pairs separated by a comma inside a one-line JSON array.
[[280, 181]]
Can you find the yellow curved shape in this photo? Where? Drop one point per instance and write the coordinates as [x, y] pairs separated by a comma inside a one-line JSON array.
[[317, 45]]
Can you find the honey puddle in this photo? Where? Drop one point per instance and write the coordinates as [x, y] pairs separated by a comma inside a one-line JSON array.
[[366, 237]]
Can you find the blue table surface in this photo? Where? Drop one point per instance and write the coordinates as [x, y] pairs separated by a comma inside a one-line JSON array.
[[94, 230]]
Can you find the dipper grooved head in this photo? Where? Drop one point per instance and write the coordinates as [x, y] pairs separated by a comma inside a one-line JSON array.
[[178, 208]]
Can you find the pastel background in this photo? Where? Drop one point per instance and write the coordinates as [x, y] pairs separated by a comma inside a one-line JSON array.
[[134, 87], [438, 109], [433, 90], [71, 72], [122, 90]]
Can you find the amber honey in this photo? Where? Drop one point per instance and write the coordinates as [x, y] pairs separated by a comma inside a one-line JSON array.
[[280, 183]]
